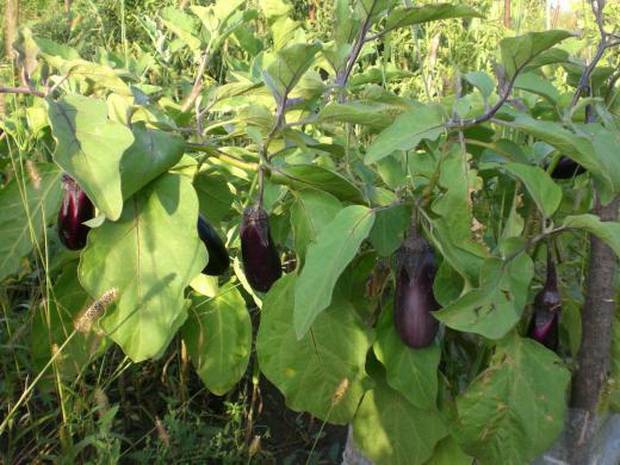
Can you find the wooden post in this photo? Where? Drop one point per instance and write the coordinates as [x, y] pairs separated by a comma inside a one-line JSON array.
[[11, 15], [507, 20]]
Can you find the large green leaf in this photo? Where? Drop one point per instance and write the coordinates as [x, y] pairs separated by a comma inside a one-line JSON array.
[[152, 153], [322, 373], [214, 195], [518, 51], [27, 204], [453, 219], [494, 308], [406, 132], [607, 231], [310, 212], [412, 372], [391, 431], [448, 452], [533, 82], [614, 396], [218, 334], [335, 246], [315, 177], [149, 256], [375, 115], [389, 229], [408, 16], [546, 193], [54, 324], [289, 66], [515, 409], [89, 148], [183, 25], [579, 147]]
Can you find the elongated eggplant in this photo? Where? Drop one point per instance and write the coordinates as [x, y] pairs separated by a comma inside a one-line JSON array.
[[261, 261], [414, 300], [547, 307], [218, 256], [566, 169], [75, 209]]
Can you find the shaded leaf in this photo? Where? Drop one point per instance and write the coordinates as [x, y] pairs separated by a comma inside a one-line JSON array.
[[218, 334], [331, 356], [149, 256], [89, 148], [335, 246]]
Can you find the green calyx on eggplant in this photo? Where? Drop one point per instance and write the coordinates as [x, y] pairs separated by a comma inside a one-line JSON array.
[[567, 169], [76, 208], [414, 300], [261, 261], [544, 325], [219, 261]]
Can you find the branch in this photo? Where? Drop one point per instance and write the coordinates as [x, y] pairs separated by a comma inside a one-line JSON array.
[[193, 95], [343, 76], [604, 44], [489, 114], [22, 90]]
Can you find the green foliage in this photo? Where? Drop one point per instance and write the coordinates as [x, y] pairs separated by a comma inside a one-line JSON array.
[[351, 123]]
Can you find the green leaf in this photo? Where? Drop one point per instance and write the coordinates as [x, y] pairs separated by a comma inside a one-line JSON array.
[[214, 195], [546, 193], [389, 229], [515, 409], [452, 223], [218, 334], [406, 132], [615, 365], [289, 66], [335, 246], [537, 84], [52, 326], [391, 431], [408, 16], [374, 115], [27, 204], [183, 25], [578, 147], [323, 372], [149, 255], [301, 177], [89, 148], [448, 452], [608, 231], [494, 308], [152, 153], [412, 372], [310, 213], [481, 81], [518, 51]]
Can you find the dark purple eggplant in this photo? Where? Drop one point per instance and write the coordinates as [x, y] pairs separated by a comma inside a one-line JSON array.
[[547, 306], [75, 209], [261, 261], [566, 169], [218, 256], [414, 300]]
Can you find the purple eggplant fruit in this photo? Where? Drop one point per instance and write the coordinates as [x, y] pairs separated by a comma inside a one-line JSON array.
[[544, 325], [261, 261], [218, 256], [414, 300], [75, 209], [566, 169]]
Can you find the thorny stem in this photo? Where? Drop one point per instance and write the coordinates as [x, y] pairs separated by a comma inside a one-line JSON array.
[[193, 95]]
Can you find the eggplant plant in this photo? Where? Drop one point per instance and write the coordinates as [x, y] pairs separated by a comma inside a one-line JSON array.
[[544, 326], [219, 261], [333, 152], [76, 208], [413, 297], [261, 261]]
